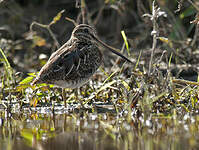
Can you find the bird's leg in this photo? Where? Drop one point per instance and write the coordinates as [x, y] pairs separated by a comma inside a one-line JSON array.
[[77, 98], [64, 97]]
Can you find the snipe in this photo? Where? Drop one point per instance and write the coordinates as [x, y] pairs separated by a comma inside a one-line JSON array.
[[76, 61]]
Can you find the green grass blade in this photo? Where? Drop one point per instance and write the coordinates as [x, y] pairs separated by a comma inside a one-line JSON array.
[[126, 42], [138, 60], [7, 66]]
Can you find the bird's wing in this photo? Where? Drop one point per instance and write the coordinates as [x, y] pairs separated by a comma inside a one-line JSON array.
[[62, 63], [64, 47]]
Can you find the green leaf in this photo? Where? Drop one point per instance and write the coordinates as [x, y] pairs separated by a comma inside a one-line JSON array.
[[188, 12], [57, 17], [126, 42], [28, 135], [170, 58], [126, 85], [109, 77], [22, 87], [32, 74], [198, 78], [138, 60], [107, 85], [27, 80], [8, 68]]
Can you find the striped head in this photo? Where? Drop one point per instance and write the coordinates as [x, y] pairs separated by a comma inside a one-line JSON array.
[[84, 32]]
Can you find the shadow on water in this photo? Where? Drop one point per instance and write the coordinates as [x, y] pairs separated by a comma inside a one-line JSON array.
[[96, 131]]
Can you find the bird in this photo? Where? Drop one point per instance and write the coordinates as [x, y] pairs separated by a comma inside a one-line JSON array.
[[74, 63]]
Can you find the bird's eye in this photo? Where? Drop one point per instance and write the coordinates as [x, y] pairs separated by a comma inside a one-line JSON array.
[[86, 30]]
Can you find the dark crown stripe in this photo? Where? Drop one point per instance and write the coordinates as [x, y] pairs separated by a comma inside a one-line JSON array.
[[88, 37], [84, 25]]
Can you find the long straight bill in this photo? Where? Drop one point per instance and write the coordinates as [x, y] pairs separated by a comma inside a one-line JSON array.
[[114, 50]]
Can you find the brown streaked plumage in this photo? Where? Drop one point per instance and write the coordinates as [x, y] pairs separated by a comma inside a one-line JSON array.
[[76, 61]]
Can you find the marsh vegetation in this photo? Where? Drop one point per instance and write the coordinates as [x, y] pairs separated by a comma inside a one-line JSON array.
[[150, 104]]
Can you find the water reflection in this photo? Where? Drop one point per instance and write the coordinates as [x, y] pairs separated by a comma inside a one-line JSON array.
[[70, 141], [90, 131]]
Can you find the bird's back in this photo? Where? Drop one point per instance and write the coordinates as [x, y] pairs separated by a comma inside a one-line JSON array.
[[72, 65]]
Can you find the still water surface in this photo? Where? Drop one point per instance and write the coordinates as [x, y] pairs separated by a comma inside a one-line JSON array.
[[96, 131]]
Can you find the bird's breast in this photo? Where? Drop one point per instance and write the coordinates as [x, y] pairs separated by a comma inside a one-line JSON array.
[[72, 84]]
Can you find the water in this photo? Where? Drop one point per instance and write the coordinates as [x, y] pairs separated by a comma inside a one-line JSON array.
[[43, 130]]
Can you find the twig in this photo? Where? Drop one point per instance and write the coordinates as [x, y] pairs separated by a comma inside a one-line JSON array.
[[49, 30], [154, 33], [77, 4], [83, 11], [196, 21], [195, 35], [194, 5], [55, 19], [156, 13], [180, 81], [53, 36], [64, 97], [179, 6], [71, 20], [99, 15], [161, 57]]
